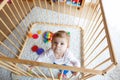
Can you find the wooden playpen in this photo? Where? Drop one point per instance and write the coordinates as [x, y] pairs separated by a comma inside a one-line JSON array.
[[96, 48]]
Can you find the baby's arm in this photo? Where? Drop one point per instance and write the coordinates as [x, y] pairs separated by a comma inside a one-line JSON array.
[[74, 61]]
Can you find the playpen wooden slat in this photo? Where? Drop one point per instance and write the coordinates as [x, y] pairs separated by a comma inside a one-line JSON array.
[[87, 49], [26, 19], [97, 56], [82, 49], [98, 65], [42, 73], [24, 44], [106, 60], [40, 4], [21, 52], [14, 66], [20, 8], [95, 39], [8, 49], [30, 17], [15, 18], [83, 23], [36, 74], [52, 5], [12, 24], [16, 9], [89, 26], [58, 12], [24, 7], [17, 12], [91, 16], [6, 67], [50, 70], [28, 5], [75, 13], [46, 5], [9, 40], [34, 4], [81, 11], [86, 40], [87, 76], [27, 62], [3, 4], [108, 36], [95, 48], [10, 31], [18, 69]]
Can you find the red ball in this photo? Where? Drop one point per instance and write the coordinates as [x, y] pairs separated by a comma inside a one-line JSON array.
[[34, 48], [35, 36]]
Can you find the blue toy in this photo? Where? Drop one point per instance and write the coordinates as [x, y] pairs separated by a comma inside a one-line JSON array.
[[40, 51], [64, 72]]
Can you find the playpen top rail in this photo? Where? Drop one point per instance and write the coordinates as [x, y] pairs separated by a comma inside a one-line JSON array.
[[48, 65]]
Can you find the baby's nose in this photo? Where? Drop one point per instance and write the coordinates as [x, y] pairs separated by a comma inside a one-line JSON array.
[[58, 45]]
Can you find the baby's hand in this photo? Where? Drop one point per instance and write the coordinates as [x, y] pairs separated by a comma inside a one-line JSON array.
[[30, 68]]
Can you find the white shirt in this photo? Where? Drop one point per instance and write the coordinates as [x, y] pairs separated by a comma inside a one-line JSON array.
[[67, 59]]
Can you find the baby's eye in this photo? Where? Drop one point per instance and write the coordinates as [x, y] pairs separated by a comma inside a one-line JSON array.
[[55, 42], [62, 43]]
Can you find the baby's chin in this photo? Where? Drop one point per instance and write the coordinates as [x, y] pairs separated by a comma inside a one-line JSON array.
[[57, 51]]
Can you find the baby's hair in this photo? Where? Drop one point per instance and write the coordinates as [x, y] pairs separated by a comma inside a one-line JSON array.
[[61, 34]]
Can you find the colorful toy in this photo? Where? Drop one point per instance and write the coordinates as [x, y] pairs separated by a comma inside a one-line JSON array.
[[35, 36], [47, 36], [63, 74], [40, 51], [77, 1], [39, 32], [34, 48], [30, 35]]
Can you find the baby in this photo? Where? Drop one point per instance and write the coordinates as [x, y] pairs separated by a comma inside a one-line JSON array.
[[59, 52]]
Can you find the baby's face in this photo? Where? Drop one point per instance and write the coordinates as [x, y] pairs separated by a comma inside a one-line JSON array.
[[59, 45]]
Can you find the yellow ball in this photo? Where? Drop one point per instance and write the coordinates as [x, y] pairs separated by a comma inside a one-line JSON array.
[[39, 32]]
